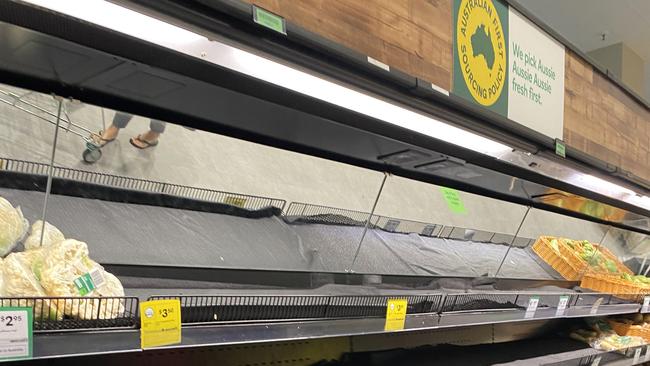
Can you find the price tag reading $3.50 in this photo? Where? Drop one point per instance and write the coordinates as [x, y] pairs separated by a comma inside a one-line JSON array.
[[160, 323]]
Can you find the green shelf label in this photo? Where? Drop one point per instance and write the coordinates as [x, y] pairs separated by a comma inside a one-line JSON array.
[[16, 333], [454, 202], [560, 148], [269, 20]]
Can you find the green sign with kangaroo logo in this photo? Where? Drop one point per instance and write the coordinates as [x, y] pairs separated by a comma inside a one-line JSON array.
[[481, 53], [505, 63]]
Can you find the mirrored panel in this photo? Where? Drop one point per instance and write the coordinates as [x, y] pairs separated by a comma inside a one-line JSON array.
[[580, 250], [632, 248], [157, 203], [142, 193], [545, 234], [545, 223], [426, 229], [27, 129]]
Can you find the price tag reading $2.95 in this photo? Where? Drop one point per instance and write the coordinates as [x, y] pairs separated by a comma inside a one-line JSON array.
[[16, 335]]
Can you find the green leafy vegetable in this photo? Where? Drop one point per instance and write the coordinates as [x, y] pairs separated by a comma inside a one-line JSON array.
[[611, 266]]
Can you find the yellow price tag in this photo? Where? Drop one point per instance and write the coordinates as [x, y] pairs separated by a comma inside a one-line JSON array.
[[395, 314], [160, 323]]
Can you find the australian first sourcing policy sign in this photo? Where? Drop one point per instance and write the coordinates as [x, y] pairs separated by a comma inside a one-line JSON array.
[[506, 64]]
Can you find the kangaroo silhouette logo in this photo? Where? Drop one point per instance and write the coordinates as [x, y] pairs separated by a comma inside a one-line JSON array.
[[481, 50]]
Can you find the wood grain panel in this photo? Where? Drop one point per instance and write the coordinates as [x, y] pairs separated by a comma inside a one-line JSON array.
[[602, 120], [416, 37], [411, 35]]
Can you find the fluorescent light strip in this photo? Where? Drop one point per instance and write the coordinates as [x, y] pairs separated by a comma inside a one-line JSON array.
[[178, 39], [153, 30], [123, 20]]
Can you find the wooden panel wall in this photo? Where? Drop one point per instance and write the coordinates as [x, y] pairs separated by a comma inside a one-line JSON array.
[[416, 37], [411, 35], [602, 120]]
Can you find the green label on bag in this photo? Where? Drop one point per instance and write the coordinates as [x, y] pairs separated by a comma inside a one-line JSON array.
[[269, 20], [84, 284], [452, 197]]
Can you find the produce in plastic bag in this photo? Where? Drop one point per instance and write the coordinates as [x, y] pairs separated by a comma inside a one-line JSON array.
[[615, 342], [108, 286], [13, 226], [19, 278], [67, 271], [33, 259], [51, 236], [62, 264], [603, 337], [20, 281]]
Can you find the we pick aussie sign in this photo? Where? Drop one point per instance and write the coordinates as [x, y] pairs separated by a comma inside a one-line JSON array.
[[505, 63]]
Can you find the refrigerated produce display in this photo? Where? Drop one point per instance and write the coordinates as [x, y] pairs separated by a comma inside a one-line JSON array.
[[245, 185]]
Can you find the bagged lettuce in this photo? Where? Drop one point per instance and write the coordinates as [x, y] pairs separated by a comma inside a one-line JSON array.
[[67, 271], [13, 226], [20, 281], [51, 235]]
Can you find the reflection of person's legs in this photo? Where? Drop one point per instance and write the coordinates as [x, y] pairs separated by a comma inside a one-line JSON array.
[[120, 120], [149, 138]]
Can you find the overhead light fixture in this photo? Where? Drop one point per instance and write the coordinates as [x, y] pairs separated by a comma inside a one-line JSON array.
[[610, 189], [589, 181], [121, 19], [130, 22], [349, 98], [161, 33]]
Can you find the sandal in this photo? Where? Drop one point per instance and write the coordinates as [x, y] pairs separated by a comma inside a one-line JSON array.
[[102, 141], [147, 144]]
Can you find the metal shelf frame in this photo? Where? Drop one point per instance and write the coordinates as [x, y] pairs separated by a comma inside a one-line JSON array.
[[73, 314], [449, 309], [246, 201], [616, 358], [433, 312], [295, 211], [213, 335], [319, 214], [189, 68], [224, 309]]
